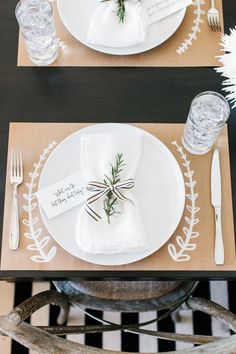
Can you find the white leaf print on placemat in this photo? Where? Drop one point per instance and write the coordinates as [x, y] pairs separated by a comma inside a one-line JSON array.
[[34, 232], [196, 28], [186, 243], [60, 43]]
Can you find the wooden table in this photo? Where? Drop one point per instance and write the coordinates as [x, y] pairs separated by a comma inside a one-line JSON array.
[[99, 95]]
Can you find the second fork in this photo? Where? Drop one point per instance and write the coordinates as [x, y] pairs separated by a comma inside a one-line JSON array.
[[213, 18]]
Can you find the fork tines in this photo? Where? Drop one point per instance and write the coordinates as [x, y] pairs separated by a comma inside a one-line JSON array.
[[214, 24], [16, 166]]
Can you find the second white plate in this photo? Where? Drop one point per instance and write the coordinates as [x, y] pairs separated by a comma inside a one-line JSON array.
[[76, 15]]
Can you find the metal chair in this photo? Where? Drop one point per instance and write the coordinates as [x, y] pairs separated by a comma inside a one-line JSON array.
[[113, 296]]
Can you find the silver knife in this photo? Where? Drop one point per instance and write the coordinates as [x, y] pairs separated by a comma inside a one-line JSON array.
[[216, 203]]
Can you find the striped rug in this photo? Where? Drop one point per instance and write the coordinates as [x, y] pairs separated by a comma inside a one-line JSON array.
[[221, 292]]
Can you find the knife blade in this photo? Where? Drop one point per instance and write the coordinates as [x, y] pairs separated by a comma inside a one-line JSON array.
[[216, 203]]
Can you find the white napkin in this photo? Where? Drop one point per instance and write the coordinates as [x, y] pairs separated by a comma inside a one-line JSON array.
[[126, 232], [106, 30]]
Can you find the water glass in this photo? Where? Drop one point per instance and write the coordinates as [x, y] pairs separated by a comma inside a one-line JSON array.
[[208, 113], [36, 23]]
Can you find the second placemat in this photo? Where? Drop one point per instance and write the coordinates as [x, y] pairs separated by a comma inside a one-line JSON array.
[[193, 44]]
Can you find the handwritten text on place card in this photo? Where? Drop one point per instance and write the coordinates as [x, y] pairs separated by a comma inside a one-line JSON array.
[[159, 9], [62, 195]]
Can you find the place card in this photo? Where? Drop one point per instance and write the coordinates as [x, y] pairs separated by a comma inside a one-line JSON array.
[[159, 9], [63, 195]]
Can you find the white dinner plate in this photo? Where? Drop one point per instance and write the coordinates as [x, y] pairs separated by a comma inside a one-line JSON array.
[[159, 190], [76, 15]]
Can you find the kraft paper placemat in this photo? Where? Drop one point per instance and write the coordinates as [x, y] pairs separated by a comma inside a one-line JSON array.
[[193, 44], [37, 141]]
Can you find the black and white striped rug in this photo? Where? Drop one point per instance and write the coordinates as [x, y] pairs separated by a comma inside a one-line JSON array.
[[221, 292]]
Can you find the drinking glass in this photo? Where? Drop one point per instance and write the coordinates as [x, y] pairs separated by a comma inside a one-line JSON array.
[[36, 23], [208, 113]]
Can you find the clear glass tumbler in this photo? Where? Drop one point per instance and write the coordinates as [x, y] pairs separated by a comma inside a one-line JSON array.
[[208, 113], [36, 23]]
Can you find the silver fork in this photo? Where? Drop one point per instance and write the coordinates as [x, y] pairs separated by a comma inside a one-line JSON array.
[[213, 18], [16, 178]]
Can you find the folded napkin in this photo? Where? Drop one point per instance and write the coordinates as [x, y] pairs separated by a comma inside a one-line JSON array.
[[126, 232], [106, 30]]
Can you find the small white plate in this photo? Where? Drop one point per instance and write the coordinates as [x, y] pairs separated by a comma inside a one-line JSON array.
[[76, 15], [159, 190]]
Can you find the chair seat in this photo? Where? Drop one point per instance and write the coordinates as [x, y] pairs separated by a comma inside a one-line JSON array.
[[125, 290], [126, 296]]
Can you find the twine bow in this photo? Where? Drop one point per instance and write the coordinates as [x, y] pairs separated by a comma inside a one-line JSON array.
[[102, 189]]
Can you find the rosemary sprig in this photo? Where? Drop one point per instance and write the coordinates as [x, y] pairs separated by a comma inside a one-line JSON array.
[[121, 9], [111, 201]]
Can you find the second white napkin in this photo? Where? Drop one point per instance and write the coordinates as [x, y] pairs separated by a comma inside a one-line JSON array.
[[106, 30]]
